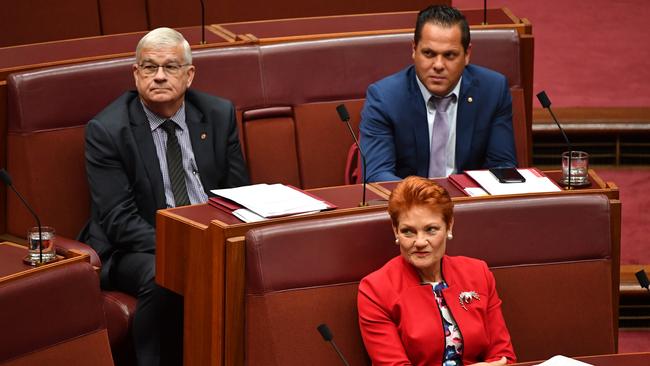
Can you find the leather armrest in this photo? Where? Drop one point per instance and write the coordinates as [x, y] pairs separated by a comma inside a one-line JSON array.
[[64, 244]]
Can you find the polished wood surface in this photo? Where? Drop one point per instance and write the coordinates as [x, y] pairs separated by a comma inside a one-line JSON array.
[[597, 185], [629, 283], [621, 359], [200, 255], [12, 266]]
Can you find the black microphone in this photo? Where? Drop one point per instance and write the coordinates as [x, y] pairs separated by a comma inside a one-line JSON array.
[[546, 103], [642, 277], [326, 333], [485, 12], [6, 178], [345, 117], [202, 22]]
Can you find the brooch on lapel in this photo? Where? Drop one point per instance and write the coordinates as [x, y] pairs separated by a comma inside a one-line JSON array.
[[466, 297]]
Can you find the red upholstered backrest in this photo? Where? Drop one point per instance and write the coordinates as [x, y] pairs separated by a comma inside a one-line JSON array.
[[123, 16], [271, 146], [497, 49], [34, 21], [323, 140], [48, 110], [330, 69], [230, 72], [302, 274], [49, 308]]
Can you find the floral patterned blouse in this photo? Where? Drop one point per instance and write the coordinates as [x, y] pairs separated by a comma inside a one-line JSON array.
[[453, 338]]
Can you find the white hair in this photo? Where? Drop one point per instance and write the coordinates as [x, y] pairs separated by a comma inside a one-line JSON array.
[[164, 37]]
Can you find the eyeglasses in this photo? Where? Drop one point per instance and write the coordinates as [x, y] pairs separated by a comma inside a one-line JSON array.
[[169, 69]]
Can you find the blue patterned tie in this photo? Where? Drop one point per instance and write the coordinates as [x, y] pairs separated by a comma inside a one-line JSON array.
[[175, 165], [439, 137]]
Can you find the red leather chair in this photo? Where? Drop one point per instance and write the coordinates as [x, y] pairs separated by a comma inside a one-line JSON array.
[[53, 315], [557, 281]]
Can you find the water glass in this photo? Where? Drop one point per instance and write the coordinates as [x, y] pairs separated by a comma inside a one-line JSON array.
[[47, 241], [579, 171]]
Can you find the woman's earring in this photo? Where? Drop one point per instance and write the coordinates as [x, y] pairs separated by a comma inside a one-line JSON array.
[[450, 236], [397, 241]]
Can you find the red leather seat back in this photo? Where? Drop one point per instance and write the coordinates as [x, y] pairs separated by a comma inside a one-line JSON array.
[[48, 110], [48, 309], [323, 141], [271, 146]]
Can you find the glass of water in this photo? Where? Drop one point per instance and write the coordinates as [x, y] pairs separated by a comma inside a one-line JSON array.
[[48, 253], [578, 174]]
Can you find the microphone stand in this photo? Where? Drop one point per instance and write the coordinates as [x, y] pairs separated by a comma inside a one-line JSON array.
[[327, 335], [202, 22], [566, 139], [546, 103], [363, 159], [6, 178], [485, 12]]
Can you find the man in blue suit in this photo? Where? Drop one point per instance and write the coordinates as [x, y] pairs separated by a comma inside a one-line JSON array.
[[440, 115]]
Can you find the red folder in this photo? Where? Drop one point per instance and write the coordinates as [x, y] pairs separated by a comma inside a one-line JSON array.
[[224, 204], [462, 181]]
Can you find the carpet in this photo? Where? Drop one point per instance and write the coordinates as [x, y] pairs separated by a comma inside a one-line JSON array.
[[634, 188], [587, 53], [633, 341]]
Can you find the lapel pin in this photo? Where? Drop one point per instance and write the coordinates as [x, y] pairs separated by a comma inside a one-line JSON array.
[[470, 99], [204, 136], [466, 297]]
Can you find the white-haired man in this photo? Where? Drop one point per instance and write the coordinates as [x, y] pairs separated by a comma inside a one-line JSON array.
[[161, 146]]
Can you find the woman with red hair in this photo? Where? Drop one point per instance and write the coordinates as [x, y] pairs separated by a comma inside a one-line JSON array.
[[424, 307]]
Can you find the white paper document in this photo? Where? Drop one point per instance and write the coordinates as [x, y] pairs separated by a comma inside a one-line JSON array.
[[271, 200], [562, 361], [534, 183], [247, 215]]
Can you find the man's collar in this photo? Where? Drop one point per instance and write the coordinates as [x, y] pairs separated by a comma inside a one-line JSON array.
[[426, 94], [155, 120]]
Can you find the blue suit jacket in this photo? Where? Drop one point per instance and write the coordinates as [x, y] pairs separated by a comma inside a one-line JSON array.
[[395, 133]]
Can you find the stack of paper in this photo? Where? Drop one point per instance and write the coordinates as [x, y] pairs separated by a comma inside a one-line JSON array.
[[560, 360], [535, 182], [262, 201]]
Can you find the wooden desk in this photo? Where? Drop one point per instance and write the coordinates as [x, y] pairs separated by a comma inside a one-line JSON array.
[[200, 255], [622, 359], [13, 268]]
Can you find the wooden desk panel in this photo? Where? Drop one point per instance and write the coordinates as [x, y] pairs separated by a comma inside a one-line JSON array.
[[13, 268], [200, 255], [296, 29], [38, 55]]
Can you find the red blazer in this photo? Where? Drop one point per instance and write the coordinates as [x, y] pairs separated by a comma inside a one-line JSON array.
[[401, 325]]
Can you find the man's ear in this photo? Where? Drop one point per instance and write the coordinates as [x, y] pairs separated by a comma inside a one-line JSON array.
[[414, 49], [468, 53], [190, 75]]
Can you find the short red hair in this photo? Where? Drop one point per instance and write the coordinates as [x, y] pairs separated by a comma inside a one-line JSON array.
[[418, 191]]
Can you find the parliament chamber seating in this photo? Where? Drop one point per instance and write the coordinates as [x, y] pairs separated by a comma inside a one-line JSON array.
[[555, 280], [52, 316], [23, 22], [285, 95]]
